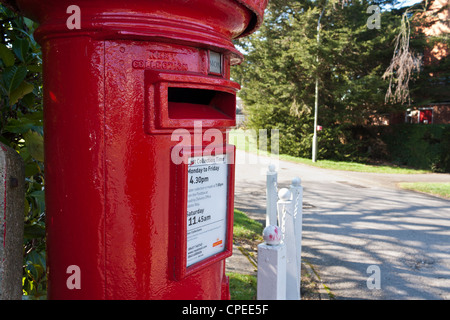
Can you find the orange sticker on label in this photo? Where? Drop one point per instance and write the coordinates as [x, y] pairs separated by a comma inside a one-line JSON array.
[[215, 244]]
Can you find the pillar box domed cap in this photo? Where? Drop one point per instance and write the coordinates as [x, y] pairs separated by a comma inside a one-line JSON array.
[[257, 7], [202, 23]]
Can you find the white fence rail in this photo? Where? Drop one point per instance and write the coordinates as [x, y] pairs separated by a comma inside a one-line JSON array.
[[279, 257]]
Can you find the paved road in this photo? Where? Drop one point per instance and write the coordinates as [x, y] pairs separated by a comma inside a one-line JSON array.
[[352, 221]]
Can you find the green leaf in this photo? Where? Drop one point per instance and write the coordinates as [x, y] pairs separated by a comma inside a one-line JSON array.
[[39, 196], [26, 207], [29, 23], [24, 123], [13, 77], [20, 48], [35, 68], [28, 100], [35, 145], [6, 55], [34, 231], [36, 257], [31, 169], [18, 93], [31, 270]]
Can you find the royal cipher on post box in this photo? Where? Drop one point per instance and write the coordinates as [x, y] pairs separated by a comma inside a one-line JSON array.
[[138, 173]]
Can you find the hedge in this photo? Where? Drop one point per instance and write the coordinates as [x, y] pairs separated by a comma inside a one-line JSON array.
[[418, 145]]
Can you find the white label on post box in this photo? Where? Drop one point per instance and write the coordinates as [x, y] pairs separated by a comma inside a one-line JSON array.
[[206, 207], [215, 62]]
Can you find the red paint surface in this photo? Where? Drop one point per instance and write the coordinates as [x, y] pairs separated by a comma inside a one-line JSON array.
[[108, 123]]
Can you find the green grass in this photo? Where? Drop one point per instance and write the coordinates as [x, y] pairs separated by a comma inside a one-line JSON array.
[[245, 141], [247, 228], [353, 166], [441, 189], [243, 286]]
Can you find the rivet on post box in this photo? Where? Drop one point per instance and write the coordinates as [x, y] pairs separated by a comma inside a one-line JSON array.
[[139, 174]]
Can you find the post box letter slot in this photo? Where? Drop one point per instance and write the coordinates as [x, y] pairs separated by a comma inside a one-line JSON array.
[[192, 103], [179, 101]]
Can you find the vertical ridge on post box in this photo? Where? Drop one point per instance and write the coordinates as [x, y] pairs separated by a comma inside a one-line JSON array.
[[12, 178]]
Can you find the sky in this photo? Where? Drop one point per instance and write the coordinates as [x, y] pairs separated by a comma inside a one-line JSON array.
[[409, 2], [406, 3]]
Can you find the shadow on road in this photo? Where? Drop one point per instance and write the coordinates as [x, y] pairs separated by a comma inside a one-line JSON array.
[[350, 225]]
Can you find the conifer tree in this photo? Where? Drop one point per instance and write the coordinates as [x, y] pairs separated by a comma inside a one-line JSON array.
[[283, 59]]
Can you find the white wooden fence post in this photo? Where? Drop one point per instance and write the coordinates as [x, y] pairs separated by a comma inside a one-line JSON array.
[[286, 218], [271, 266], [297, 198], [271, 197], [279, 265]]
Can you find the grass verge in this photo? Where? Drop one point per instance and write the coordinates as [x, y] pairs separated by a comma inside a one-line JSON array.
[[440, 189], [244, 140], [245, 230], [242, 286]]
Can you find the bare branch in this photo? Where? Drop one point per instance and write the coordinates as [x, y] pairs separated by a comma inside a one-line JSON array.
[[404, 62]]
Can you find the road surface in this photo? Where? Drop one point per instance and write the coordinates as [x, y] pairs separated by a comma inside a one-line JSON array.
[[360, 231]]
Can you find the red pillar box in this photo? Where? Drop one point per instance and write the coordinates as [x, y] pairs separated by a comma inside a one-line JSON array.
[[139, 176]]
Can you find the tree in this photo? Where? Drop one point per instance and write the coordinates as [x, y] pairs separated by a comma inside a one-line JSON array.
[[423, 26], [278, 75], [21, 128], [430, 27]]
